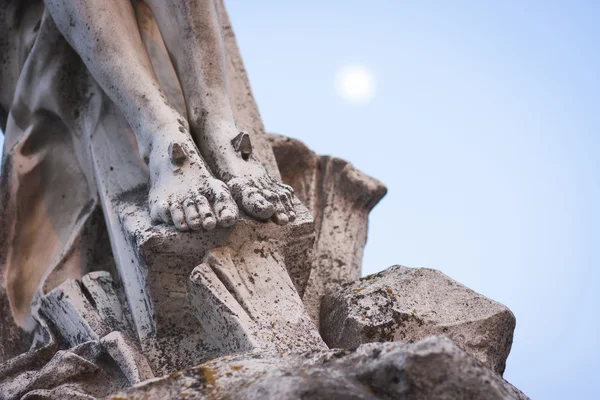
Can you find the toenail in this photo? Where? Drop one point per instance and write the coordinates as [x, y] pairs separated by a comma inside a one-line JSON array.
[[209, 224]]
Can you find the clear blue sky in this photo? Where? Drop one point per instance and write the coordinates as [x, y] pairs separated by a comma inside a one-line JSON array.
[[485, 127]]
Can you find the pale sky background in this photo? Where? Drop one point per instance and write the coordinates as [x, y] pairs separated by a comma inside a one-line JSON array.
[[483, 119], [485, 127]]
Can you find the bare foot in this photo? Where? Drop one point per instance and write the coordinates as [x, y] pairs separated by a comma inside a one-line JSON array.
[[230, 155], [183, 191]]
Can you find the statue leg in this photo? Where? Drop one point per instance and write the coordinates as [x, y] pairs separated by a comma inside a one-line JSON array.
[[193, 35], [183, 190]]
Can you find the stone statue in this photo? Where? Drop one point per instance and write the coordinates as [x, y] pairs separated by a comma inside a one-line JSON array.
[[196, 156], [149, 226]]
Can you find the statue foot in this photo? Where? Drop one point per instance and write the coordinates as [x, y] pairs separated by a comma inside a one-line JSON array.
[[262, 197], [183, 191], [255, 191]]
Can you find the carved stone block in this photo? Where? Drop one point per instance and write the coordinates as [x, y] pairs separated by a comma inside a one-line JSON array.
[[154, 261], [407, 304], [245, 299], [73, 316], [340, 198]]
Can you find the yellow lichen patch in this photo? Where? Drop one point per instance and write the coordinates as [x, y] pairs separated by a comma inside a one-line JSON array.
[[184, 395], [175, 375], [235, 367], [209, 376], [389, 290], [357, 290]]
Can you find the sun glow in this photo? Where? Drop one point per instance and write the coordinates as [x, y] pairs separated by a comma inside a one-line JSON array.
[[355, 84]]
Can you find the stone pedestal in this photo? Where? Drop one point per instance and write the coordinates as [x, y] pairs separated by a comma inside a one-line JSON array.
[[155, 263]]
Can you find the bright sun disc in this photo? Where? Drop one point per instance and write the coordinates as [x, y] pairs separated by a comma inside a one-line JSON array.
[[355, 84]]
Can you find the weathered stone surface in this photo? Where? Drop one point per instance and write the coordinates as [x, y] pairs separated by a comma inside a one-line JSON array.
[[243, 104], [73, 317], [408, 304], [245, 300], [128, 356], [156, 264], [109, 302], [155, 261], [340, 198], [84, 310], [434, 368], [85, 317], [82, 372]]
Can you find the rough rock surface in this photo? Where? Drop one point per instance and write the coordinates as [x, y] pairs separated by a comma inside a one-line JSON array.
[[434, 368], [82, 347], [408, 304], [339, 198], [81, 372]]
